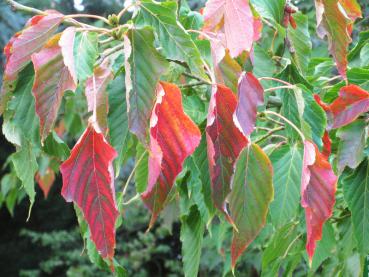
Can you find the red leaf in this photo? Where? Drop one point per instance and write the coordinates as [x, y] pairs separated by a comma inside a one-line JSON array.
[[46, 180], [52, 79], [66, 44], [233, 18], [333, 23], [88, 181], [327, 145], [22, 45], [173, 137], [250, 96], [351, 102], [318, 188], [225, 142], [97, 97]]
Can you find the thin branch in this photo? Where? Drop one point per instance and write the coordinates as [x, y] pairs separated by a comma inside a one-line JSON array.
[[287, 121], [88, 16], [196, 78], [276, 80], [19, 7], [132, 174], [271, 132], [280, 87], [109, 52], [193, 85], [123, 11], [133, 199]]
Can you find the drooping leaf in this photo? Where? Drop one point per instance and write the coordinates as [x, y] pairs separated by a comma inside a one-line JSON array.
[[252, 192], [287, 165], [351, 146], [192, 231], [325, 247], [97, 95], [56, 147], [250, 97], [118, 119], [85, 54], [142, 171], [52, 79], [333, 23], [301, 45], [224, 143], [66, 44], [356, 193], [45, 180], [22, 45], [351, 102], [175, 41], [235, 20], [228, 72], [318, 188], [88, 181], [173, 137], [25, 165], [144, 66], [283, 241], [20, 120]]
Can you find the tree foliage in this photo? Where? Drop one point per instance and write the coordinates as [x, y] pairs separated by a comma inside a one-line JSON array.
[[231, 116]]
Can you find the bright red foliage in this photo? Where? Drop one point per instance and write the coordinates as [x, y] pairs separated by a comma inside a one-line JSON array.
[[173, 137], [225, 142], [88, 181], [318, 188]]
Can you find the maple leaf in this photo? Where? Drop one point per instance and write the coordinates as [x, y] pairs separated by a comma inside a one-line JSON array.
[[88, 181], [351, 103], [234, 19], [97, 96], [318, 188], [52, 79], [250, 96], [173, 137], [45, 180], [333, 23], [225, 142]]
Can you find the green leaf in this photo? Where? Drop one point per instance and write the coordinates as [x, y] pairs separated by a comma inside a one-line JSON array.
[[195, 107], [142, 170], [85, 54], [287, 167], [25, 165], [118, 119], [144, 66], [356, 193], [175, 41], [55, 146], [192, 231], [273, 10], [252, 192], [200, 159], [301, 45], [283, 241], [351, 146], [325, 247], [20, 120]]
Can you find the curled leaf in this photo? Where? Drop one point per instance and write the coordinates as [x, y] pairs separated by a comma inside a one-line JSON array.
[[173, 137]]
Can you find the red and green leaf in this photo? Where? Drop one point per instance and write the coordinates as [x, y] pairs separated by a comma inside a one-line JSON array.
[[234, 19], [22, 45], [45, 180], [250, 96], [66, 44], [225, 142], [252, 192], [97, 96], [333, 23], [318, 188], [173, 137], [52, 79], [88, 181]]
